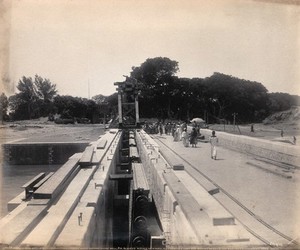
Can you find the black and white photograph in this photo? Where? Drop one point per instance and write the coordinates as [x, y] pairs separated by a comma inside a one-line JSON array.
[[150, 124]]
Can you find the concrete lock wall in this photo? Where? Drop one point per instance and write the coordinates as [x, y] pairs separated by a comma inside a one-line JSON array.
[[95, 205], [278, 151], [40, 153], [176, 227]]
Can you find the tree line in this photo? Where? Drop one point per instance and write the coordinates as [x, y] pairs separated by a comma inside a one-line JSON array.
[[215, 98], [163, 95]]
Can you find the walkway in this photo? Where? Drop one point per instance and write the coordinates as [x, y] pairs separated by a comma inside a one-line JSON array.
[[271, 195]]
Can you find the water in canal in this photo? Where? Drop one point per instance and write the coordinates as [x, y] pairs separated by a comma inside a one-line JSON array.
[[12, 177]]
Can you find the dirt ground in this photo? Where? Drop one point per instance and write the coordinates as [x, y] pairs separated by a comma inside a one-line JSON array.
[[37, 131], [269, 132], [41, 130]]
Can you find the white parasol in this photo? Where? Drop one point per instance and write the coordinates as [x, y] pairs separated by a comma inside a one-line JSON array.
[[198, 120]]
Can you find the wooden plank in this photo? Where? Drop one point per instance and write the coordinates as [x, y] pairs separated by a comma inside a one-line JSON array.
[[139, 177], [131, 135], [120, 176], [42, 181], [38, 202], [12, 204], [178, 167], [17, 227], [86, 157], [132, 142], [56, 181], [34, 180], [45, 233], [29, 185], [133, 152], [101, 144]]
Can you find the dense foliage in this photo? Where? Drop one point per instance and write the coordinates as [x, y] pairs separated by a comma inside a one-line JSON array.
[[163, 95], [215, 98], [34, 98]]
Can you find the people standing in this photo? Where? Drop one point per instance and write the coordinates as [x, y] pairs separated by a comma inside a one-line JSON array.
[[177, 134], [182, 127], [160, 129], [213, 142], [185, 138], [193, 137], [173, 129]]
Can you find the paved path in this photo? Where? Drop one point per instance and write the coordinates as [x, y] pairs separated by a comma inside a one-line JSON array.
[[272, 197]]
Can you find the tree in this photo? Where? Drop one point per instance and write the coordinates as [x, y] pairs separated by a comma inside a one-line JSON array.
[[227, 95], [3, 107], [157, 78], [46, 92], [18, 109], [99, 98], [27, 95], [45, 89], [75, 107], [34, 98], [281, 101]]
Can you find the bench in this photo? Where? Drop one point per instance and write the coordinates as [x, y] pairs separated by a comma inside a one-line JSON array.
[[28, 186]]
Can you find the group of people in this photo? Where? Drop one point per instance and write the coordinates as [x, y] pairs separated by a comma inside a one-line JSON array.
[[159, 128], [180, 133], [192, 139], [187, 139]]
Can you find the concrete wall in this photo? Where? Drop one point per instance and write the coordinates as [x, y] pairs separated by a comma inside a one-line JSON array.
[[278, 151], [40, 153], [176, 227]]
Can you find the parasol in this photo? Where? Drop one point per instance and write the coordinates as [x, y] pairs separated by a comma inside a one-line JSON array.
[[198, 120]]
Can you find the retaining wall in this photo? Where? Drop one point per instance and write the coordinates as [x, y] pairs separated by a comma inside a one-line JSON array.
[[277, 151]]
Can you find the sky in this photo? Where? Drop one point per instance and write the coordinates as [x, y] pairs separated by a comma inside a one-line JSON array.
[[84, 46]]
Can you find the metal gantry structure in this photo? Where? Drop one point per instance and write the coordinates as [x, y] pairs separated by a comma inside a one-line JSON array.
[[128, 106]]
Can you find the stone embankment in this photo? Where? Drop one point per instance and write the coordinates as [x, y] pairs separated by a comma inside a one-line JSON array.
[[276, 151]]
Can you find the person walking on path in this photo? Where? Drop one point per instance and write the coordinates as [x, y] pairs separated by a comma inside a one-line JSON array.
[[213, 142], [193, 137], [185, 138]]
